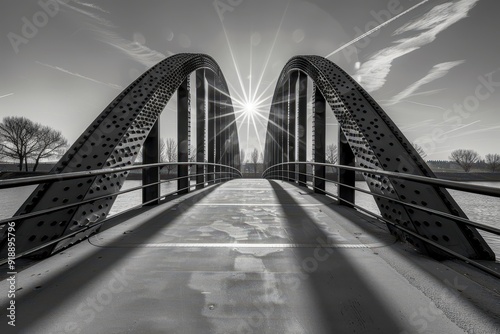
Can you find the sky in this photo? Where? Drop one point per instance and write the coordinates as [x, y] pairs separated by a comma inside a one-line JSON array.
[[432, 65]]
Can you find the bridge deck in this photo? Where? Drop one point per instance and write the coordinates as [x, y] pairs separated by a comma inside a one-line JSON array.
[[250, 256]]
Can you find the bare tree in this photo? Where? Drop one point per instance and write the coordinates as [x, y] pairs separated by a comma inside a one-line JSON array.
[[331, 155], [163, 148], [255, 159], [420, 150], [18, 139], [242, 156], [49, 143], [465, 158], [170, 153], [492, 161]]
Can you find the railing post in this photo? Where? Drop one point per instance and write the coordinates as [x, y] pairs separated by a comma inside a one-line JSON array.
[[272, 144], [224, 139], [279, 129], [292, 125], [302, 128], [183, 122], [151, 155], [218, 136], [285, 132], [200, 128], [211, 125], [347, 177], [319, 138]]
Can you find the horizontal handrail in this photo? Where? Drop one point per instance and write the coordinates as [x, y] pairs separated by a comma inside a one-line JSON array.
[[18, 182], [96, 224], [90, 200], [486, 228], [477, 189], [277, 171]]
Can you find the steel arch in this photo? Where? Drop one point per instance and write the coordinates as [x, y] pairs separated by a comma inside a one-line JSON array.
[[113, 140], [378, 144]]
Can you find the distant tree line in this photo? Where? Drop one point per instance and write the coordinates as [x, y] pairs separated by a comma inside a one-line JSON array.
[[23, 140], [467, 159]]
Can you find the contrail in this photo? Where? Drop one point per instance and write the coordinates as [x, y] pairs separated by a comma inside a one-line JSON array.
[[1, 97], [376, 28], [461, 127], [80, 76]]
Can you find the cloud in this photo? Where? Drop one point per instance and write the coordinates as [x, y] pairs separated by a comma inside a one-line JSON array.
[[373, 73], [138, 52], [81, 76], [7, 95], [101, 27], [380, 26], [86, 13], [438, 71], [474, 132], [91, 5]]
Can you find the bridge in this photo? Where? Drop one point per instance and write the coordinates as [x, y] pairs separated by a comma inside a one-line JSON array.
[[223, 254]]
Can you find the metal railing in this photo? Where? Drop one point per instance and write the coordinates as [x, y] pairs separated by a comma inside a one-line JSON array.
[[220, 174], [279, 171]]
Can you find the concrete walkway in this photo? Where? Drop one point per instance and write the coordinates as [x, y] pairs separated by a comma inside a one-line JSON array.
[[250, 256]]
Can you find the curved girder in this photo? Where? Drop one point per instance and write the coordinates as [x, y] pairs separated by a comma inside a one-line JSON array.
[[378, 144], [113, 140]]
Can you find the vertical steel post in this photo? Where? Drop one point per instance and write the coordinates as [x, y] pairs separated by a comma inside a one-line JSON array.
[[302, 128], [200, 127], [211, 125], [285, 132], [183, 120], [347, 177], [151, 155], [218, 136], [292, 125], [223, 135], [319, 139]]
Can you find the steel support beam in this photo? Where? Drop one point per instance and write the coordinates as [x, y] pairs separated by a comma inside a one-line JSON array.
[[319, 139], [218, 144], [223, 135], [200, 127], [211, 126], [302, 128], [151, 155], [115, 139], [285, 133], [378, 144], [183, 122], [292, 124], [346, 177]]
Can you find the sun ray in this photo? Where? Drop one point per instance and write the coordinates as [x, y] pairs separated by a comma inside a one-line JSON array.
[[256, 130], [234, 61], [238, 95], [250, 74], [272, 48], [225, 94], [266, 89]]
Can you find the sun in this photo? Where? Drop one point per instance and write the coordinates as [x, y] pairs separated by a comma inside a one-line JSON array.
[[250, 107]]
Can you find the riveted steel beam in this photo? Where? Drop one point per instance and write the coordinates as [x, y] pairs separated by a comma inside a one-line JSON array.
[[113, 139], [378, 144]]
